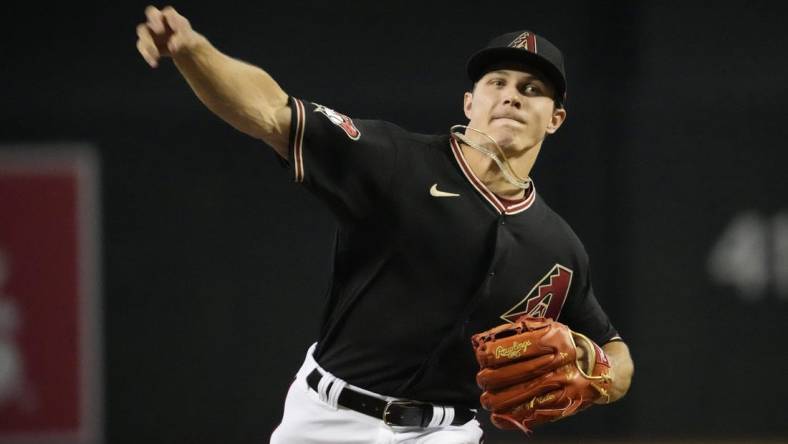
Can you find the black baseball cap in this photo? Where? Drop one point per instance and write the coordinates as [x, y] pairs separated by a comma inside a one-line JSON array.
[[522, 47]]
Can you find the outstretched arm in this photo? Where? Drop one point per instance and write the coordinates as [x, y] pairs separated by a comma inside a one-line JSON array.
[[241, 94]]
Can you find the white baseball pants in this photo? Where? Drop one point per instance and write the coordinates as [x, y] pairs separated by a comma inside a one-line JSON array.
[[309, 420]]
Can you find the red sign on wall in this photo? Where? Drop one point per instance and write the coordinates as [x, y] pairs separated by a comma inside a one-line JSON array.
[[50, 380]]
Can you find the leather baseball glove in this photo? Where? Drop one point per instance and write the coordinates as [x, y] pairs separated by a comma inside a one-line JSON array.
[[531, 374]]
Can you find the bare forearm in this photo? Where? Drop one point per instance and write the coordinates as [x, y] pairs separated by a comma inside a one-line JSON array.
[[243, 95], [622, 367]]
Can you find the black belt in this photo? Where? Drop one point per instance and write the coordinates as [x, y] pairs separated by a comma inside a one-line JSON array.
[[394, 413]]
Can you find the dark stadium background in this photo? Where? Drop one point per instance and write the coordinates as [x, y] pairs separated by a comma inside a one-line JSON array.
[[214, 263]]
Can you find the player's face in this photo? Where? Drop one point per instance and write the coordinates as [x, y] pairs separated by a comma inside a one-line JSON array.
[[515, 107]]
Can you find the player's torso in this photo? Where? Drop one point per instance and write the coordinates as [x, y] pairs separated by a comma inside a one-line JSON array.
[[452, 261]]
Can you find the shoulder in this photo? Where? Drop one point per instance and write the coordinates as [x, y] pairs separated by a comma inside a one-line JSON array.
[[409, 143], [406, 137], [355, 127]]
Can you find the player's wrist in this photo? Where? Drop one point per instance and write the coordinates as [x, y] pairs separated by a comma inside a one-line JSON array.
[[608, 395], [192, 48]]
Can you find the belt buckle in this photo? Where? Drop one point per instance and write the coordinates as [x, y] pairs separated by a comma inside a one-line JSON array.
[[403, 403]]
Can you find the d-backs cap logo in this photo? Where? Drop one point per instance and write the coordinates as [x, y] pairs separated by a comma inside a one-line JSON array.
[[339, 120], [546, 298], [526, 41]]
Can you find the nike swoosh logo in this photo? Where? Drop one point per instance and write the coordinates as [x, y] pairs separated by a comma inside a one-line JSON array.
[[435, 192]]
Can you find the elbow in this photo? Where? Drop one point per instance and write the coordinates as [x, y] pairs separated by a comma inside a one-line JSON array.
[[271, 125], [270, 119]]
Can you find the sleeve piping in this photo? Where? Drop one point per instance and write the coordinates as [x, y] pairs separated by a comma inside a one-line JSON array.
[[298, 141]]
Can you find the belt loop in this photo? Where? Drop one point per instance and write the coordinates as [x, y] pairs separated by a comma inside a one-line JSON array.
[[322, 387], [437, 416], [334, 392], [448, 415]]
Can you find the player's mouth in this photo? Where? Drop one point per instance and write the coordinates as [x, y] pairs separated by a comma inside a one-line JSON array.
[[509, 118]]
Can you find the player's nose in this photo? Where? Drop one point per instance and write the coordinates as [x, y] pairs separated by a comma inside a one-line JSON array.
[[513, 101]]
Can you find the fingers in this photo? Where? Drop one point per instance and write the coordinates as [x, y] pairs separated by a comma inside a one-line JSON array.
[[165, 20], [171, 25], [146, 46], [176, 42], [147, 33], [181, 29], [164, 33], [155, 19], [174, 20]]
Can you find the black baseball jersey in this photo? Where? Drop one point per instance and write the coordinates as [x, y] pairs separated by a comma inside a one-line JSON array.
[[425, 256]]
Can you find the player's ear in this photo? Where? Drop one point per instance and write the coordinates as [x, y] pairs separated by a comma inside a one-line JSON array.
[[556, 120], [466, 105]]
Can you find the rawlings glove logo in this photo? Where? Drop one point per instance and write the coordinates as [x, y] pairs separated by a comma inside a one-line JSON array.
[[513, 351]]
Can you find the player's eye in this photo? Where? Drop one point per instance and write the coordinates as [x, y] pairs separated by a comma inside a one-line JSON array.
[[497, 82], [531, 89]]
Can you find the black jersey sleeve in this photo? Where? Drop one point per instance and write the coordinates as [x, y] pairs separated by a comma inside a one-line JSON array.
[[347, 163], [584, 314]]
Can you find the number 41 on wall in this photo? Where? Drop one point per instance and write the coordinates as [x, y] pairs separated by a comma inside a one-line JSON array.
[[751, 255]]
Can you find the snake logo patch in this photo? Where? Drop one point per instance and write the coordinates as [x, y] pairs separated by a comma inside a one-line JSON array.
[[546, 298], [340, 120]]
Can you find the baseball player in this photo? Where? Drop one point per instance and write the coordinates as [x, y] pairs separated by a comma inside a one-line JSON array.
[[439, 237]]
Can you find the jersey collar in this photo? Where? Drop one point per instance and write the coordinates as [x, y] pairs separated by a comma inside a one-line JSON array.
[[498, 204]]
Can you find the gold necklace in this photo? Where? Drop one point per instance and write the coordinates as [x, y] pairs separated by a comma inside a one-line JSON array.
[[506, 168]]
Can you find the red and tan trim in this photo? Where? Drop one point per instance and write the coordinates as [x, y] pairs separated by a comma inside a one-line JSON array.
[[489, 196], [516, 207], [298, 141]]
